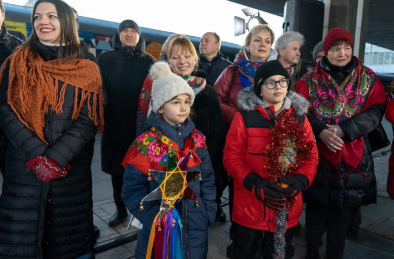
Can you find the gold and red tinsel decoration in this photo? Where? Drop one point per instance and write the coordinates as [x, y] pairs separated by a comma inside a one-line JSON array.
[[289, 147]]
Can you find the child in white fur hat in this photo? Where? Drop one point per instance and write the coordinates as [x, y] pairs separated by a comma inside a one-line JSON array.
[[169, 136]]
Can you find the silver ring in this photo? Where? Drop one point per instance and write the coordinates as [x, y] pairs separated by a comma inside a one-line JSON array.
[[331, 144]]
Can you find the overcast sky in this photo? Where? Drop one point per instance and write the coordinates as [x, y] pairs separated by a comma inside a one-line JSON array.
[[191, 17]]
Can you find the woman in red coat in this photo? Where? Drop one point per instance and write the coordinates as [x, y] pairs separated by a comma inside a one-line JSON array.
[[256, 50], [269, 142]]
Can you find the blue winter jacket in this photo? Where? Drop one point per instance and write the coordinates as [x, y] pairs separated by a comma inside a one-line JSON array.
[[195, 220]]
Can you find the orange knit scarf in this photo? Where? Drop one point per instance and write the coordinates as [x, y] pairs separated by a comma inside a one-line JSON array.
[[34, 87]]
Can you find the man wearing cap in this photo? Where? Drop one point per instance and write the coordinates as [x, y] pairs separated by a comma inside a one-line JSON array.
[[288, 46], [123, 72], [8, 43], [318, 53]]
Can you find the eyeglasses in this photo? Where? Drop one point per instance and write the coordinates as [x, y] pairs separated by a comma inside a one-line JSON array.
[[318, 58], [271, 84]]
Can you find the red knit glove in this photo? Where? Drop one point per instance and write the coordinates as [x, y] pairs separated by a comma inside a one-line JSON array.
[[47, 169]]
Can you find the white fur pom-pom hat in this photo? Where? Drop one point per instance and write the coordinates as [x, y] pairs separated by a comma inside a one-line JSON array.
[[166, 85]]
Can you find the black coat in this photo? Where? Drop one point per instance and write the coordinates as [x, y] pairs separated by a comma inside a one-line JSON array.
[[214, 67], [208, 119], [123, 71], [8, 44], [357, 187], [54, 219]]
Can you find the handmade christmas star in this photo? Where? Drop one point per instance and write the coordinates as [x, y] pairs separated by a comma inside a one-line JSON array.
[[173, 184]]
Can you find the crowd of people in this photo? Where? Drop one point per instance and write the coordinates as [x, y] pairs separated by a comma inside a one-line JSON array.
[[277, 133]]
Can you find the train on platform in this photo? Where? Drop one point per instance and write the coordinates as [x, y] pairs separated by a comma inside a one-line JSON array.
[[98, 34]]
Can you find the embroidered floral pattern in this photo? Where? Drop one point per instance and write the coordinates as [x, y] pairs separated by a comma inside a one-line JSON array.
[[333, 103], [156, 146], [198, 139], [193, 81]]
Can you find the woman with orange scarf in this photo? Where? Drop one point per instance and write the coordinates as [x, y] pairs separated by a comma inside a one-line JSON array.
[[50, 108], [348, 102]]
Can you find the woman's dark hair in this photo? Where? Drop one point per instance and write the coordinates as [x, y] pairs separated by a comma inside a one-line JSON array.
[[69, 40], [339, 42]]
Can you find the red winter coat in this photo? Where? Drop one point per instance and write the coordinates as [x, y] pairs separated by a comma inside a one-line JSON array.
[[245, 153], [390, 179], [228, 88]]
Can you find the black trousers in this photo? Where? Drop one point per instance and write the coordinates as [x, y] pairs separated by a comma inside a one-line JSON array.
[[230, 205], [355, 218], [117, 183], [221, 181], [319, 218], [251, 243]]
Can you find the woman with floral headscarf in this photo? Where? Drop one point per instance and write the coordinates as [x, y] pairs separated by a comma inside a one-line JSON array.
[[348, 102]]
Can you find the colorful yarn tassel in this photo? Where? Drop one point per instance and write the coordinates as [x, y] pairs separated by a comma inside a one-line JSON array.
[[166, 238]]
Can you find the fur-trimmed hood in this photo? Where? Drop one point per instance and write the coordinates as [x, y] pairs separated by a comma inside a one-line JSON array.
[[247, 101]]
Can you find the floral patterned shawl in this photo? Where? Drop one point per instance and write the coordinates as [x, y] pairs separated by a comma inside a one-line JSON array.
[[333, 104], [151, 150]]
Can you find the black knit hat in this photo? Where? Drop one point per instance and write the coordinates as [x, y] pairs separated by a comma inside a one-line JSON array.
[[128, 24], [316, 50], [266, 70]]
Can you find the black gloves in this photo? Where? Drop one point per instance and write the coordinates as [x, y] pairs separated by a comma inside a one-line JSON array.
[[268, 193], [297, 183], [272, 195]]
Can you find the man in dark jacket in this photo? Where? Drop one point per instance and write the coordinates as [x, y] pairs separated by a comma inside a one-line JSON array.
[[211, 60], [123, 72], [213, 64], [8, 44]]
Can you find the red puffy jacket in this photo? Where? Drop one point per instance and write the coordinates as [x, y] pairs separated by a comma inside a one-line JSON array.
[[245, 152], [227, 89]]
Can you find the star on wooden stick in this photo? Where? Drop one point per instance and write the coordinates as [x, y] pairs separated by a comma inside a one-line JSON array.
[[173, 184]]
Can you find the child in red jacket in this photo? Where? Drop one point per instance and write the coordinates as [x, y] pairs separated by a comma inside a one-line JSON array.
[[271, 154]]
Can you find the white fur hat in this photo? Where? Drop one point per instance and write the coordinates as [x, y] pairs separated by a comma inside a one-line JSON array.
[[166, 85]]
